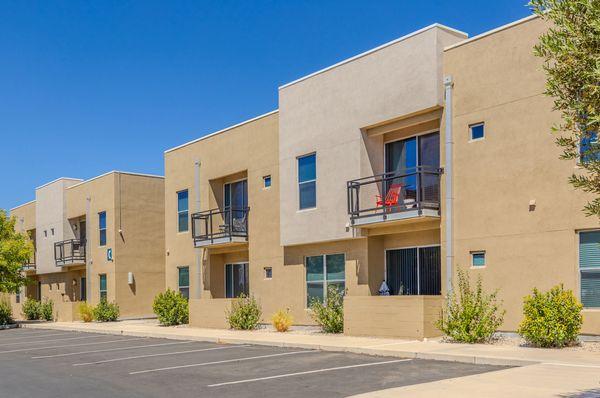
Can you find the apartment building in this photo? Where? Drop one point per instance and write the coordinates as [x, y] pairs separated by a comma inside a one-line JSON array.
[[98, 238]]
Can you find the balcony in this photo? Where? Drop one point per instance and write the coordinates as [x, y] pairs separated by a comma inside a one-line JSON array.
[[220, 228], [69, 252], [411, 194], [29, 266]]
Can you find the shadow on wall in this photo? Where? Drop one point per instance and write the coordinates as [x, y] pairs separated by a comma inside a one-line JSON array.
[[592, 393]]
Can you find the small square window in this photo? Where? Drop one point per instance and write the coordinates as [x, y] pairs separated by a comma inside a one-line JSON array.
[[268, 272], [266, 181], [477, 131], [478, 259]]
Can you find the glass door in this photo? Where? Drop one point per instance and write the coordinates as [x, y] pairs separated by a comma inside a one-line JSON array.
[[236, 280], [235, 204], [414, 271]]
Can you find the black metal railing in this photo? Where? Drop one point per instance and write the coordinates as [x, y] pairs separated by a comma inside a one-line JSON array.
[[28, 266], [216, 225], [413, 189], [70, 251]]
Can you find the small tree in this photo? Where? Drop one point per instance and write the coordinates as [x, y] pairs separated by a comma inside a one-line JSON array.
[[471, 316], [570, 50], [245, 313], [329, 315], [15, 250]]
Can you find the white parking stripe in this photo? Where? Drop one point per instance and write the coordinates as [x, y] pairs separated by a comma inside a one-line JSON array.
[[68, 354], [52, 340], [220, 362], [37, 335], [69, 345], [362, 365], [159, 355]]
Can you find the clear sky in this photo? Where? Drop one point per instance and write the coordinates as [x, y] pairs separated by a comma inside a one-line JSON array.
[[92, 86]]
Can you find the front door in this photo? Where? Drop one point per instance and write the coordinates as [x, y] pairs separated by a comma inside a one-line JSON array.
[[414, 271]]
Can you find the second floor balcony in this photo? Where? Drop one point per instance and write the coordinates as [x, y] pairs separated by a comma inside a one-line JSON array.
[[69, 252], [393, 197], [220, 228]]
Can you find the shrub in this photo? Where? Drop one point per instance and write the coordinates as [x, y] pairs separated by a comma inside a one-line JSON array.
[[282, 320], [86, 312], [471, 316], [330, 314], [245, 313], [171, 308], [106, 312], [5, 312], [47, 310], [31, 309], [552, 319]]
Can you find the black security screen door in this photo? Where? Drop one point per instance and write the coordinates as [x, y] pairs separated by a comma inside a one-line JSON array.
[[414, 271]]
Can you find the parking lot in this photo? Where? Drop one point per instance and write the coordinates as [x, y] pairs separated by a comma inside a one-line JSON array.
[[52, 363]]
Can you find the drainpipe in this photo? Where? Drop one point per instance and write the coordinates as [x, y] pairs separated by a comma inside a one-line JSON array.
[[448, 85], [88, 265], [198, 274]]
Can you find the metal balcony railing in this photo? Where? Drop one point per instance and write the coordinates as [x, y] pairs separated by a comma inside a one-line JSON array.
[[409, 190], [70, 251], [219, 226]]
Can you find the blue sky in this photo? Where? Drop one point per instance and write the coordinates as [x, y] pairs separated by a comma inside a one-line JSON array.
[[89, 87]]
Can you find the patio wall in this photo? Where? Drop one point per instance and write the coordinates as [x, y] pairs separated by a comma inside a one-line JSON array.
[[210, 313], [410, 317]]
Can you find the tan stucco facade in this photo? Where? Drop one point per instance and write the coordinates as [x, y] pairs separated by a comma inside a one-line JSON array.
[[69, 209]]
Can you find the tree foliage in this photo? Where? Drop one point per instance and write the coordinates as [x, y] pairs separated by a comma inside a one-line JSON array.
[[15, 250], [570, 50]]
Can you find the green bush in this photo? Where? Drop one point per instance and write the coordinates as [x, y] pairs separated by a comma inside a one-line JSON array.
[[32, 309], [245, 313], [86, 312], [330, 314], [5, 312], [552, 319], [106, 312], [171, 308], [470, 316], [47, 310]]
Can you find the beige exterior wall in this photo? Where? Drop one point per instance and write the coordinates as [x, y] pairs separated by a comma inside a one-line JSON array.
[[497, 80], [329, 113]]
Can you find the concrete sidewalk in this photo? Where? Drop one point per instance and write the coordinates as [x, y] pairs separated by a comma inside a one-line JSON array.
[[432, 349]]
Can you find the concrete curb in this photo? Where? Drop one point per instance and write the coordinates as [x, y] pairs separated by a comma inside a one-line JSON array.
[[479, 360]]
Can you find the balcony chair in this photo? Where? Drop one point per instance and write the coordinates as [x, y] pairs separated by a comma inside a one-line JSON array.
[[392, 196]]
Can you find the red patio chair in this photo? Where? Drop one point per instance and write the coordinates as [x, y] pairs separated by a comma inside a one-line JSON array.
[[392, 196]]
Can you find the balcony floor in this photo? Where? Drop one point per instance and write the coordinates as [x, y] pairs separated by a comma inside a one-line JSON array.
[[225, 241], [384, 220]]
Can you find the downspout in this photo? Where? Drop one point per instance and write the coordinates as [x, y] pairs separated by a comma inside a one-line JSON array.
[[88, 265], [198, 274], [449, 143]]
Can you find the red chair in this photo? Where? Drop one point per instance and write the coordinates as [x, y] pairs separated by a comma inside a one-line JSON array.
[[392, 196]]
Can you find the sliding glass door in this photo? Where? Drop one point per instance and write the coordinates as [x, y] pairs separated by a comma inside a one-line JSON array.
[[414, 271], [236, 280], [235, 204]]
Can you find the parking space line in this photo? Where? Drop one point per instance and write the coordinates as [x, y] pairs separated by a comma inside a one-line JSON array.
[[362, 365], [69, 345], [68, 354], [159, 355], [51, 340], [37, 335], [224, 361]]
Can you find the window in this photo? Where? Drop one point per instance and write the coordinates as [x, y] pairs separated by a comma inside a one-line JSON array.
[[589, 268], [477, 131], [236, 280], [324, 271], [52, 231], [45, 233], [82, 289], [267, 182], [268, 272], [588, 147], [102, 227], [307, 181], [103, 290], [478, 259], [18, 297], [182, 211], [184, 281]]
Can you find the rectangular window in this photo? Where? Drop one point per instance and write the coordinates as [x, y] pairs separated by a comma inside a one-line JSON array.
[[322, 272], [477, 131], [102, 227], [478, 259], [103, 290], [307, 181], [236, 280], [589, 268], [588, 147], [18, 297], [184, 281], [182, 211], [82, 288], [267, 181], [268, 272]]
